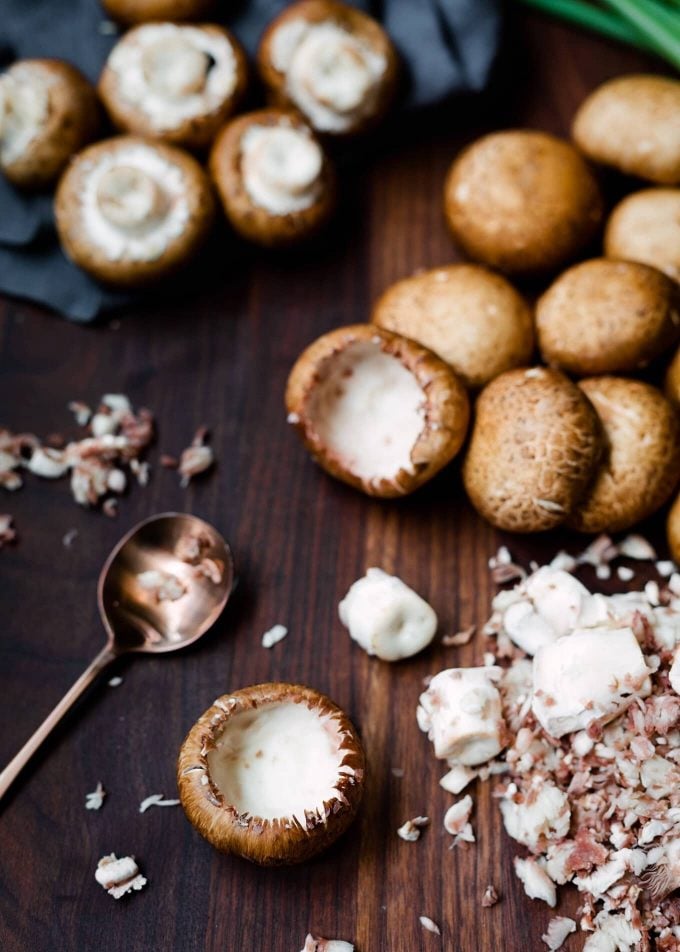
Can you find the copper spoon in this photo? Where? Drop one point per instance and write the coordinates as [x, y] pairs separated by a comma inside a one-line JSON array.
[[134, 619]]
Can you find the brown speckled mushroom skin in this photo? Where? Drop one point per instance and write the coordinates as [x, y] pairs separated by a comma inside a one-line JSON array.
[[671, 386], [604, 316], [350, 19], [535, 443], [267, 842], [640, 466], [521, 201], [196, 132], [673, 530], [73, 121], [471, 317], [631, 123], [645, 227], [143, 11], [133, 273], [249, 220], [447, 414]]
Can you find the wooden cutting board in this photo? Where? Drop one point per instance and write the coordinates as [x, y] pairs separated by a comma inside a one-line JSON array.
[[220, 356]]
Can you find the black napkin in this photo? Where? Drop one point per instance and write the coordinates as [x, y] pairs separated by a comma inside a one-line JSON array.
[[448, 47]]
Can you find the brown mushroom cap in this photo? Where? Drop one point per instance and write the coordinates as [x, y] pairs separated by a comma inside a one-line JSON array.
[[230, 827], [645, 227], [72, 121], [323, 376], [469, 316], [193, 132], [631, 123], [521, 201], [143, 11], [354, 22], [535, 444], [640, 467], [604, 316], [249, 219], [673, 530], [671, 385], [125, 272]]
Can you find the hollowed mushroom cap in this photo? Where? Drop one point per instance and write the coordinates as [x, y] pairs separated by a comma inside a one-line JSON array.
[[535, 444], [341, 91], [312, 186], [48, 111], [143, 11], [521, 201], [273, 773], [640, 466], [377, 410], [175, 82], [130, 211]]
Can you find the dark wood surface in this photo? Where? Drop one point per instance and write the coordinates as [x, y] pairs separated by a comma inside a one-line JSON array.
[[220, 356]]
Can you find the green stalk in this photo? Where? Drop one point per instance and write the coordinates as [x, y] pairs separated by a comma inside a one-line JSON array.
[[594, 18], [646, 20]]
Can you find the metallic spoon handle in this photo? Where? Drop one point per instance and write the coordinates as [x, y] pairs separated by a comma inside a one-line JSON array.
[[17, 764]]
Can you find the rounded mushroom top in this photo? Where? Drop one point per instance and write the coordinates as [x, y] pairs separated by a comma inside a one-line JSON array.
[[282, 166], [24, 108], [174, 73], [133, 198], [333, 73]]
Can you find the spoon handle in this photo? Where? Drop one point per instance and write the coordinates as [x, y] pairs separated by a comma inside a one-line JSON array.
[[17, 764]]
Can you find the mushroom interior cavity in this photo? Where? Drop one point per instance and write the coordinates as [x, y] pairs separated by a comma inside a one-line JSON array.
[[281, 167], [368, 410], [174, 73], [278, 761], [332, 75], [24, 109]]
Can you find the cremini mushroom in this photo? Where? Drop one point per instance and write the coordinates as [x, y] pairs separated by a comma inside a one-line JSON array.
[[535, 444], [174, 82], [645, 227], [673, 531], [130, 211], [469, 316], [521, 201], [330, 61], [631, 123], [143, 11], [377, 410], [603, 317], [275, 181], [48, 111], [640, 466], [273, 773]]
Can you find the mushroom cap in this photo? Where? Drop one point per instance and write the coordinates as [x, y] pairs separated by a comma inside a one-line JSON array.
[[282, 840], [72, 121], [535, 444], [640, 467], [353, 21], [446, 408], [144, 11], [631, 123], [521, 201], [645, 227], [604, 316], [672, 380], [469, 316], [673, 530], [250, 220], [123, 272], [193, 132]]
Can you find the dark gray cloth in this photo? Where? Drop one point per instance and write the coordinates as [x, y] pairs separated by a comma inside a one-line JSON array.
[[448, 47]]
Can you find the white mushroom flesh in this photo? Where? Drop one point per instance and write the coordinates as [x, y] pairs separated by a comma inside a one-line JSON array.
[[174, 73], [332, 75], [134, 202], [24, 109], [587, 677], [461, 712], [278, 761], [386, 617], [368, 411], [281, 167]]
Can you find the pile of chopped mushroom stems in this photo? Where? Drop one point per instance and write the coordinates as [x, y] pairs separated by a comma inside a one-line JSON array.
[[598, 805]]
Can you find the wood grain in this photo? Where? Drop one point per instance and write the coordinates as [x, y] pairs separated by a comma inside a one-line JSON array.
[[220, 354]]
